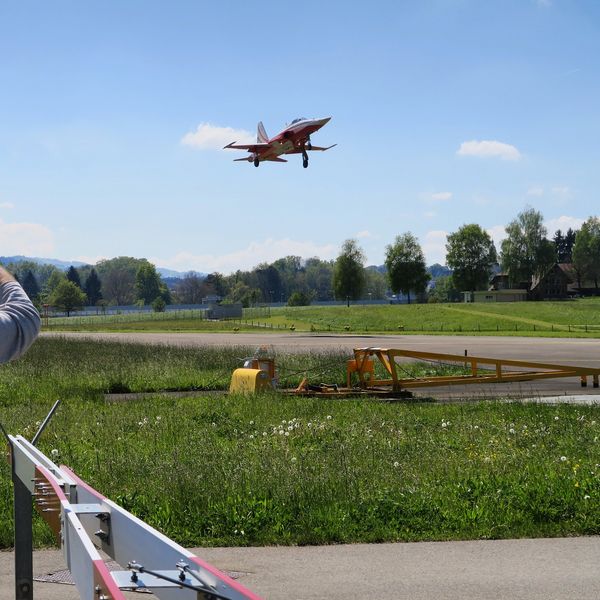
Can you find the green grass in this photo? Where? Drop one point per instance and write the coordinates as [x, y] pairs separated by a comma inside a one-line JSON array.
[[570, 318], [217, 469], [537, 318]]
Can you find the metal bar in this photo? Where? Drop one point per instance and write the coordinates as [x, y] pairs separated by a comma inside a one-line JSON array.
[[23, 513], [46, 421]]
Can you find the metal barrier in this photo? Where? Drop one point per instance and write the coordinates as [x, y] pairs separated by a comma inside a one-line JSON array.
[[500, 370], [85, 522]]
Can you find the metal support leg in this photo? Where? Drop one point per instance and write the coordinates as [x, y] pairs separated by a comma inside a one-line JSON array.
[[23, 512]]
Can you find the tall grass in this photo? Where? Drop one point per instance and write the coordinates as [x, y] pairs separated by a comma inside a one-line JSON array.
[[268, 469]]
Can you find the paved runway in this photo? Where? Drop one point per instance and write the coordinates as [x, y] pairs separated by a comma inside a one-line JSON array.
[[540, 569]]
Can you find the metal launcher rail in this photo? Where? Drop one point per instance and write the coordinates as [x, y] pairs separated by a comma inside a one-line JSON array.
[[85, 522], [482, 370]]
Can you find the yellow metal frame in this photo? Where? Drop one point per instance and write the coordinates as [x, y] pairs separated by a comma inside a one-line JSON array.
[[524, 370]]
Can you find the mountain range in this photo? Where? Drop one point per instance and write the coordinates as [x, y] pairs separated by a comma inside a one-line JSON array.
[[64, 265]]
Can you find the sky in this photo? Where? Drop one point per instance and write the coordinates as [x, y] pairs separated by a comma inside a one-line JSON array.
[[113, 116]]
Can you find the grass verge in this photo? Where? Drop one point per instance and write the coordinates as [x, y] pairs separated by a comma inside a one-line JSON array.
[[220, 470]]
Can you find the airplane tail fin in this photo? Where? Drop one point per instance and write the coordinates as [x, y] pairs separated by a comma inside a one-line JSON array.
[[261, 134]]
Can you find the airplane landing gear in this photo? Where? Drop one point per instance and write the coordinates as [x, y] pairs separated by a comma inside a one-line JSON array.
[[256, 162], [304, 158]]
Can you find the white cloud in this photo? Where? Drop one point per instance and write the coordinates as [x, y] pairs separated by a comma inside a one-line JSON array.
[[497, 233], [212, 137], [535, 190], [267, 251], [364, 234], [30, 239], [441, 196], [434, 247], [489, 148], [7, 205], [561, 190], [430, 214], [563, 223]]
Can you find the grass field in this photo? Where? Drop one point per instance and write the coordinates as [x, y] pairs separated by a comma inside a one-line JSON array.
[[218, 469], [579, 318]]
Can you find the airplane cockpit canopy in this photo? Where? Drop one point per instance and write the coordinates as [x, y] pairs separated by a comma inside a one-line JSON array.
[[298, 120]]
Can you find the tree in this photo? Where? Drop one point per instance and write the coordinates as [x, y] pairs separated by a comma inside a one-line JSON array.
[[586, 251], [348, 272], [526, 252], [30, 285], [318, 277], [299, 299], [376, 284], [471, 253], [73, 276], [93, 288], [118, 286], [147, 283], [190, 289], [563, 245], [443, 290], [216, 284], [405, 264], [67, 296]]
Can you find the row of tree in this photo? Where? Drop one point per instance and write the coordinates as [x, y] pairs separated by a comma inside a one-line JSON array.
[[471, 257]]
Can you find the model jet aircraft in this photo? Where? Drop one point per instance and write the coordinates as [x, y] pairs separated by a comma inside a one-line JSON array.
[[294, 139]]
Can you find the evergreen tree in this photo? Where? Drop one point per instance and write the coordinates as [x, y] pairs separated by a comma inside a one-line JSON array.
[[73, 276], [30, 285], [93, 288]]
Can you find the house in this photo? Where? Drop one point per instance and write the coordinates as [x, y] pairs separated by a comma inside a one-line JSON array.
[[499, 291], [557, 283]]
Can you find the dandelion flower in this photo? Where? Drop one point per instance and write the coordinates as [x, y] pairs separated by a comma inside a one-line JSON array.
[[563, 458], [396, 464], [54, 452]]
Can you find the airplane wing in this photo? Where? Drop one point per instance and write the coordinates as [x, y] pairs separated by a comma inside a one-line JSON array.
[[322, 148], [275, 159], [249, 147]]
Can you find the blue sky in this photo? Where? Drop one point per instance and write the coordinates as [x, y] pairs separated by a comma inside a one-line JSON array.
[[445, 112]]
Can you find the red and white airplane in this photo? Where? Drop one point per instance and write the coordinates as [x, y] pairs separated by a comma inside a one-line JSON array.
[[294, 139]]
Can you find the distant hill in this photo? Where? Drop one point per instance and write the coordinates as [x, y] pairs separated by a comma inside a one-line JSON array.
[[64, 265], [55, 262]]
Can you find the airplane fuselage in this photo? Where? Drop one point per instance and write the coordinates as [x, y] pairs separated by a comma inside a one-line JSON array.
[[293, 139]]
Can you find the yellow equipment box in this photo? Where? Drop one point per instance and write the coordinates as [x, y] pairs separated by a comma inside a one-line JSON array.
[[249, 381]]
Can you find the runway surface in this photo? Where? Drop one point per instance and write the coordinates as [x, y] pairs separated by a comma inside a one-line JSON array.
[[529, 569]]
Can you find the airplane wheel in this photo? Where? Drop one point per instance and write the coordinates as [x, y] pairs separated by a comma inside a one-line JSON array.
[[256, 162], [305, 163]]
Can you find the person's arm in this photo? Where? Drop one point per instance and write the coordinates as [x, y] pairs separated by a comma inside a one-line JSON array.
[[19, 320]]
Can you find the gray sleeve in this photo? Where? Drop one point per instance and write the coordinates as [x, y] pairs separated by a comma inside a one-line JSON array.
[[19, 321]]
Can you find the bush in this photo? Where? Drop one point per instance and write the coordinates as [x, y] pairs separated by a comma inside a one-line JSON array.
[[300, 299], [159, 304]]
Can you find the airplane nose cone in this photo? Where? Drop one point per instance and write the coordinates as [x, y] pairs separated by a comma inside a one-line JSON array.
[[323, 121]]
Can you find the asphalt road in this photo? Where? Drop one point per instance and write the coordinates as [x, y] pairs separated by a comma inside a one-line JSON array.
[[569, 351], [540, 569]]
